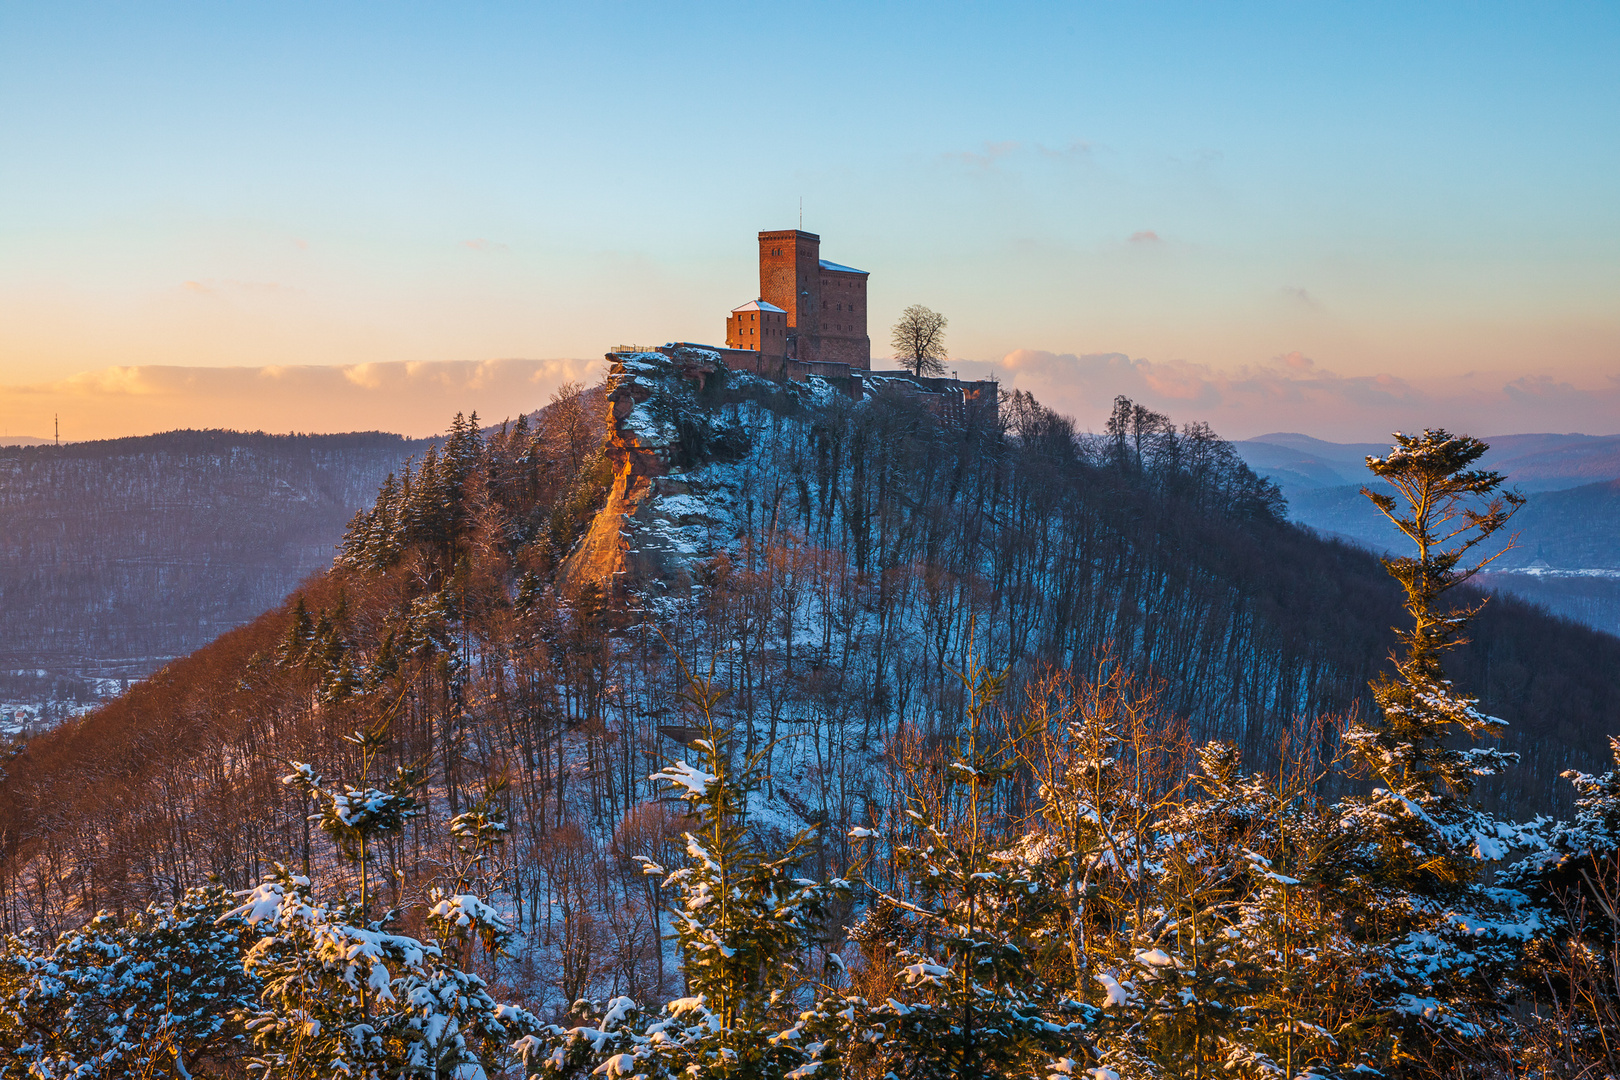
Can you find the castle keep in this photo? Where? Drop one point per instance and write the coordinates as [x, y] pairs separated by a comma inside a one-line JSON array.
[[809, 309]]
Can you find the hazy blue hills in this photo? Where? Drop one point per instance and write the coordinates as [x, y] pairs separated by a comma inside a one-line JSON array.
[[1567, 558], [1543, 462], [1576, 529], [117, 555]]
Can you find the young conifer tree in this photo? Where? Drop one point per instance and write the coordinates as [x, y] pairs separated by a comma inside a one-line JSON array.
[[1572, 972], [746, 926], [150, 995], [1254, 985], [343, 993], [964, 948], [1418, 840]]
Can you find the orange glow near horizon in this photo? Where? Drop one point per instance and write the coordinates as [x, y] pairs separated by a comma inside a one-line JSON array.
[[414, 399]]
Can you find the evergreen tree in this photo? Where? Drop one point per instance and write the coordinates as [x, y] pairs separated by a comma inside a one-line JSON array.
[[295, 643], [1580, 856], [1234, 973], [1572, 970], [153, 995], [345, 995], [745, 924], [1418, 841], [964, 950]]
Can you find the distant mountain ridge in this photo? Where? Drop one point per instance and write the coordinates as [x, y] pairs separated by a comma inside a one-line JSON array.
[[1570, 525], [119, 554], [1533, 462]]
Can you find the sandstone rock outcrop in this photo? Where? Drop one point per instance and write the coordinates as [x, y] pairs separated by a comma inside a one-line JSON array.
[[653, 422]]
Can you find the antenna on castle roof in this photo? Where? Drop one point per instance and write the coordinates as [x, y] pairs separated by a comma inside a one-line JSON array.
[[801, 213]]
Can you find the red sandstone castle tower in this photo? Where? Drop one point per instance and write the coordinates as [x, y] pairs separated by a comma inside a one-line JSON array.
[[823, 304]]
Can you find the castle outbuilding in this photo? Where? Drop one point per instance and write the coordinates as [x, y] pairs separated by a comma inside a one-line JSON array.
[[759, 327]]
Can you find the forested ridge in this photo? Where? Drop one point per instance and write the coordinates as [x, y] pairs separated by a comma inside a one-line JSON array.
[[119, 554], [1016, 681]]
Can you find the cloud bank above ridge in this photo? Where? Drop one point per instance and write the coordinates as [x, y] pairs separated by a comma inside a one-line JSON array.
[[1292, 392], [411, 398]]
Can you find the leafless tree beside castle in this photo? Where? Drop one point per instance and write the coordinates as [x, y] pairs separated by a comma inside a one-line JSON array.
[[919, 340]]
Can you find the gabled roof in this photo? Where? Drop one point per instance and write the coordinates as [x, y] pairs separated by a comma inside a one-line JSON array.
[[838, 268], [759, 305]]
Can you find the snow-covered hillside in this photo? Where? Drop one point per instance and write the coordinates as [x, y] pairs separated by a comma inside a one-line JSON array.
[[553, 707]]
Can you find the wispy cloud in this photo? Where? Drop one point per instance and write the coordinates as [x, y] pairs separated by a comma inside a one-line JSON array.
[[1542, 390], [986, 158], [1145, 236], [1069, 151]]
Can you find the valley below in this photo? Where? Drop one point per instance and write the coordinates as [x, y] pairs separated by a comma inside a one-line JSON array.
[[117, 557], [1566, 552]]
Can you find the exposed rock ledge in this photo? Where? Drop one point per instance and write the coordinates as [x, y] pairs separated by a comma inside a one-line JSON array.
[[650, 398]]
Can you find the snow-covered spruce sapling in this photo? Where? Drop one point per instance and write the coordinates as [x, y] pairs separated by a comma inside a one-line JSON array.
[[965, 942], [1107, 762], [1190, 905], [343, 994], [746, 926], [150, 995], [1225, 976], [355, 818], [1582, 856], [1574, 966], [462, 918], [1419, 840], [357, 1000]]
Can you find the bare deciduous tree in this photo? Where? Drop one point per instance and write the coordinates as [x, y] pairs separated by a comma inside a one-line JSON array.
[[570, 423], [919, 340]]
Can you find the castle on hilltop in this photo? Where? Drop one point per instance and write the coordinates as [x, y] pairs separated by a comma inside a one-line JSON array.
[[810, 321], [809, 309]]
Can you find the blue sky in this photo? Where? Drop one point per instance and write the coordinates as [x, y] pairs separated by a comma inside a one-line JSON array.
[[1175, 201]]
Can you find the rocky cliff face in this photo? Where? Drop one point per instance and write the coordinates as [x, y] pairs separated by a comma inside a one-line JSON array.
[[687, 439], [662, 427]]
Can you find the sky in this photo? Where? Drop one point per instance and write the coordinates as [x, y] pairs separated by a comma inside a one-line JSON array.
[[1341, 219]]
